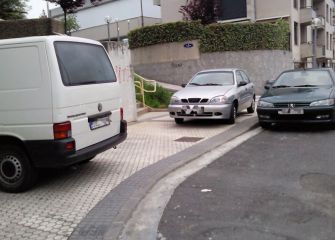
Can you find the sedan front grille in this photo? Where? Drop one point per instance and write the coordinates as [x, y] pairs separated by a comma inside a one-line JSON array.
[[290, 105], [194, 100]]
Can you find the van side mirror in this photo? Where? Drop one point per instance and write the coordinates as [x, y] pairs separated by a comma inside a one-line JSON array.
[[183, 85]]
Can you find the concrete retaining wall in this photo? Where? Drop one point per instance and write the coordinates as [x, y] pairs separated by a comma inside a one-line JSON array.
[[261, 65]]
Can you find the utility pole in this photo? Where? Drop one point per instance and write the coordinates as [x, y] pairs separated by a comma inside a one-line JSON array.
[[142, 17]]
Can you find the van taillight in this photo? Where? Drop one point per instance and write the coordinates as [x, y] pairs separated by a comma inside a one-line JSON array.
[[121, 113], [62, 130]]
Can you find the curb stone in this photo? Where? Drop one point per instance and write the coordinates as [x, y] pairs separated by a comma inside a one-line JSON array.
[[108, 218]]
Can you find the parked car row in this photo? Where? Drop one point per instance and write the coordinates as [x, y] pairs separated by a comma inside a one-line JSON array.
[[296, 96]]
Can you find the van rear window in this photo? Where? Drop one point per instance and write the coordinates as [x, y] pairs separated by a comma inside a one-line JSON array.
[[83, 64]]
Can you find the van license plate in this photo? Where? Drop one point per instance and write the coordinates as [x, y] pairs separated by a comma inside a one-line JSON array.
[[100, 122]]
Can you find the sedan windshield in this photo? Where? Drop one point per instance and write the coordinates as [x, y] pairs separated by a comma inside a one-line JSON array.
[[303, 79], [213, 79]]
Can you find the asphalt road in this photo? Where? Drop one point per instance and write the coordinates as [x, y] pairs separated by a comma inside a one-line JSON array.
[[279, 185]]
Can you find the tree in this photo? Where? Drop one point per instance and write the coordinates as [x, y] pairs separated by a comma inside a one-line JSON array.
[[72, 23], [13, 9], [70, 6], [205, 10]]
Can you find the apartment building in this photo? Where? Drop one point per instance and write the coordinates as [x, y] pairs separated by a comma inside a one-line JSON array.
[[299, 13], [125, 15]]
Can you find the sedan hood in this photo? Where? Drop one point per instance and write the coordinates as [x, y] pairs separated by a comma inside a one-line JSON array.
[[282, 95], [202, 92]]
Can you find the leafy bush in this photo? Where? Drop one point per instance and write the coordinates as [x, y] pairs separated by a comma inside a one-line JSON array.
[[159, 99], [165, 33], [216, 37]]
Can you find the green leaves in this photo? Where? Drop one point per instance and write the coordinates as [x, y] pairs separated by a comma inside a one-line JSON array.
[[216, 37], [13, 9]]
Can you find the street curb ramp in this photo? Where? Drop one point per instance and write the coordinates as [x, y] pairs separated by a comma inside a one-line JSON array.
[[108, 218]]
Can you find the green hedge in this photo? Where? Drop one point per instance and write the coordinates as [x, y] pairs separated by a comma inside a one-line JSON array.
[[216, 37], [165, 33]]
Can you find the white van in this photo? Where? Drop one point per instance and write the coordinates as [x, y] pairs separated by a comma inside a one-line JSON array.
[[59, 105]]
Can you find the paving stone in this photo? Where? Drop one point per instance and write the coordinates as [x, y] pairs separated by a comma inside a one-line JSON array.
[[62, 198]]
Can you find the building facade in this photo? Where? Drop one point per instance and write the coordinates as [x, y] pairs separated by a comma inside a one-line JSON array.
[[299, 13], [125, 15]]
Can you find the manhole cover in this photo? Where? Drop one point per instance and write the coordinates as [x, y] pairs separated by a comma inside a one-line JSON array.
[[318, 183], [188, 139]]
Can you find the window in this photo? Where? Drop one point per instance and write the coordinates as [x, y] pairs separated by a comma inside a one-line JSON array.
[[327, 41], [327, 13], [82, 64], [233, 9], [331, 41], [295, 33], [295, 4], [245, 77], [239, 78], [213, 79]]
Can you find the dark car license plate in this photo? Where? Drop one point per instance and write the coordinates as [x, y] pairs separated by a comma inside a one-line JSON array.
[[291, 111]]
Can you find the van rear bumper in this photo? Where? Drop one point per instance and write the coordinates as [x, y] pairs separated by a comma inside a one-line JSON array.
[[53, 153]]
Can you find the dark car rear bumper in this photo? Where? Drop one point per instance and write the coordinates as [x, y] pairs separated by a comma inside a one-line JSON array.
[[311, 115], [53, 153]]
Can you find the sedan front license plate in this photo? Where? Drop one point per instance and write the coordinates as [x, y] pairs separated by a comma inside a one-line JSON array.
[[291, 111], [100, 122]]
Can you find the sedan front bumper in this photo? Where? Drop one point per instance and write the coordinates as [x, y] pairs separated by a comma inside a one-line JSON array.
[[200, 111], [310, 115]]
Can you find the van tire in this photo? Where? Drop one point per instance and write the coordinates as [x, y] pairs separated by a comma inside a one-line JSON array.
[[16, 172]]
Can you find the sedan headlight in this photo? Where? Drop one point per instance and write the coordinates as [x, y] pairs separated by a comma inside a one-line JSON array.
[[326, 102], [174, 100], [218, 99], [265, 104]]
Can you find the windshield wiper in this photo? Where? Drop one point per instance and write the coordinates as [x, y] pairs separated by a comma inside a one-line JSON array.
[[195, 84], [306, 85], [212, 84], [281, 86]]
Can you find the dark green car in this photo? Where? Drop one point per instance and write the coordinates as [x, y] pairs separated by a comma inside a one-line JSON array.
[[299, 96]]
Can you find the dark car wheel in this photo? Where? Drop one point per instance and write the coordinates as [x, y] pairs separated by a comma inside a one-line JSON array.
[[251, 109], [233, 114], [179, 120], [16, 172], [265, 125]]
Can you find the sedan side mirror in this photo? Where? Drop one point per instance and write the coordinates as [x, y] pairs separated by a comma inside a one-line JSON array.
[[183, 85], [267, 87], [268, 84], [241, 84]]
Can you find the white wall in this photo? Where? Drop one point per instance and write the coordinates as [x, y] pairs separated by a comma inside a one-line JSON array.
[[121, 9], [120, 57]]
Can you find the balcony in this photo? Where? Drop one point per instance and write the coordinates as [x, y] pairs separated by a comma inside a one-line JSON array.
[[306, 50], [306, 15]]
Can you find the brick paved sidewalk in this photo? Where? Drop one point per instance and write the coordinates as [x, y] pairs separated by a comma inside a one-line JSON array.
[[64, 197]]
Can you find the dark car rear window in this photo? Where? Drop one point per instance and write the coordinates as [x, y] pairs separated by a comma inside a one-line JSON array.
[[82, 64]]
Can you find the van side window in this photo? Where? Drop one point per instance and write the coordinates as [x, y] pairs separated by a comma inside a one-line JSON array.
[[20, 68], [82, 64]]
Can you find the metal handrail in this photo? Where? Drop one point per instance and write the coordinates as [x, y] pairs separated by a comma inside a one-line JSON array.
[[140, 85]]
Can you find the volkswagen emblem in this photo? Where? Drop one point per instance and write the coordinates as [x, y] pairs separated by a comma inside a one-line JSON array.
[[291, 105], [99, 107]]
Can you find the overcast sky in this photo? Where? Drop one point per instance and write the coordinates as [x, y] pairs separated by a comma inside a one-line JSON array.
[[36, 8]]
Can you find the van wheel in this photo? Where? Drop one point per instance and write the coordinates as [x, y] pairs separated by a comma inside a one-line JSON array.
[[16, 172], [179, 120], [251, 109]]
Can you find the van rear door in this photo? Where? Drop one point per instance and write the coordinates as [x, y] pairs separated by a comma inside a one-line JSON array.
[[88, 93]]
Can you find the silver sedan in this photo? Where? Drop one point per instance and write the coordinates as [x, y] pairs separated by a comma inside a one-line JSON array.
[[214, 94]]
